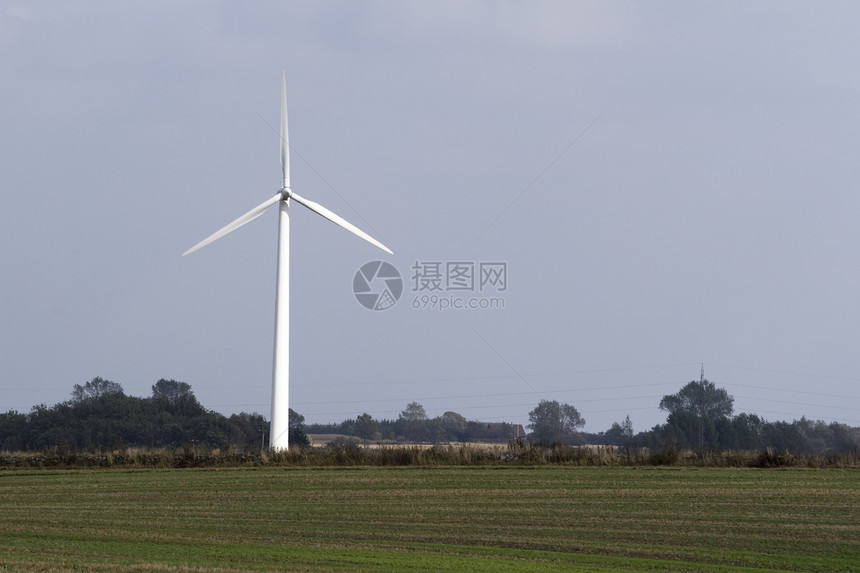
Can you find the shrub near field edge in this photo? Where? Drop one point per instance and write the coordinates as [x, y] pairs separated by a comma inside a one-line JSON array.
[[340, 453]]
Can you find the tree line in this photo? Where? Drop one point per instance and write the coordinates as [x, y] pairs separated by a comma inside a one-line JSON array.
[[415, 426], [700, 417], [100, 415]]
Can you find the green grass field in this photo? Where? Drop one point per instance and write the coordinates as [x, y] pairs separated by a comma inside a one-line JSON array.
[[440, 519]]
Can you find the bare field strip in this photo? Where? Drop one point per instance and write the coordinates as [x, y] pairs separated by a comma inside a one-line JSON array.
[[439, 519]]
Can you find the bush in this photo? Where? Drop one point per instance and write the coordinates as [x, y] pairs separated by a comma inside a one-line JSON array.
[[667, 456], [769, 459]]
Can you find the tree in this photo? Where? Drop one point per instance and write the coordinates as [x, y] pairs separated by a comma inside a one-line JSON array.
[[697, 411], [296, 420], [12, 425], [620, 434], [627, 427], [413, 422], [95, 388], [700, 398], [366, 427], [297, 436], [552, 422], [414, 412], [176, 399], [171, 390], [454, 426], [748, 432], [252, 429]]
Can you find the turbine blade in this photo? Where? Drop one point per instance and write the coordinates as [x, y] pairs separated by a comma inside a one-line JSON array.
[[246, 218], [285, 133], [338, 220]]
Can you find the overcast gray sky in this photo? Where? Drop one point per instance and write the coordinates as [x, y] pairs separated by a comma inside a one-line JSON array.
[[667, 183]]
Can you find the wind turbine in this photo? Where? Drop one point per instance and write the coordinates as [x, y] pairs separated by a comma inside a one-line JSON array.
[[279, 435]]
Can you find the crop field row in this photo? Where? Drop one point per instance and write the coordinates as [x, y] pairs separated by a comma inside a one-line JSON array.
[[440, 519]]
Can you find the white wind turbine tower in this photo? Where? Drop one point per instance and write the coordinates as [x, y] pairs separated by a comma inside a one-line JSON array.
[[279, 436]]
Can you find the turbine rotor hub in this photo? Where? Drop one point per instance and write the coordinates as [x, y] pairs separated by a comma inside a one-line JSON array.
[[286, 192]]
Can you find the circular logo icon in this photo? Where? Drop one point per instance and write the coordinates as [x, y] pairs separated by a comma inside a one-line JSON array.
[[377, 285]]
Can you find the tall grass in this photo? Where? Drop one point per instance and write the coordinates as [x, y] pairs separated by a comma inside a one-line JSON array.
[[346, 453]]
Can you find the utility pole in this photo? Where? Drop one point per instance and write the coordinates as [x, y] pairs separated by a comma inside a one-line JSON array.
[[702, 407]]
